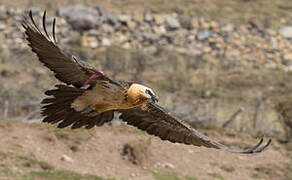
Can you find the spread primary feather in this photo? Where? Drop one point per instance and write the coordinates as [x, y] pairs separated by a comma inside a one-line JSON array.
[[71, 105]]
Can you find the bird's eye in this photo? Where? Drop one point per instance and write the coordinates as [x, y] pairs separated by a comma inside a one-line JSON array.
[[147, 91]]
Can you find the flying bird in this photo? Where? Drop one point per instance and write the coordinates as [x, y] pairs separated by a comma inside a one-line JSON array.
[[90, 97]]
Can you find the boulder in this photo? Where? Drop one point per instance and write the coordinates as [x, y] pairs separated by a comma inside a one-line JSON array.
[[80, 17]]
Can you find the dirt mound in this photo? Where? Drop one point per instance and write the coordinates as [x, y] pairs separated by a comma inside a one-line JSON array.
[[40, 151]]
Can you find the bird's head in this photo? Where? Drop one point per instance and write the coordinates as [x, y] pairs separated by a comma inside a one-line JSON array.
[[148, 93], [140, 91]]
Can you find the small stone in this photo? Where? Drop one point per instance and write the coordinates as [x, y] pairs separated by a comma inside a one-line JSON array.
[[185, 21], [159, 19], [107, 28], [214, 25], [127, 45], [124, 18], [100, 10], [288, 57], [271, 32], [138, 17], [233, 54], [285, 31], [243, 29], [196, 52], [18, 40], [207, 49], [168, 165], [150, 37], [271, 65], [157, 165], [172, 23], [93, 44], [66, 158], [111, 19], [227, 27], [148, 16], [105, 42], [150, 50], [2, 26], [255, 24], [159, 30], [89, 41], [195, 22], [122, 38], [204, 34], [205, 25], [274, 43], [131, 25], [94, 32], [34, 10]]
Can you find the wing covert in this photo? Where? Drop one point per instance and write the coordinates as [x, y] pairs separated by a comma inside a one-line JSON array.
[[157, 121]]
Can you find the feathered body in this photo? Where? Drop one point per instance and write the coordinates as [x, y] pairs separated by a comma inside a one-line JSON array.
[[106, 96], [89, 97]]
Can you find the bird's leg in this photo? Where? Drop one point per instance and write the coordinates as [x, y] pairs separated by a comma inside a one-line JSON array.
[[93, 76]]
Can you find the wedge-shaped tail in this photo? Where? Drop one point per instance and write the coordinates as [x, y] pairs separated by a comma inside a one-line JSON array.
[[57, 109]]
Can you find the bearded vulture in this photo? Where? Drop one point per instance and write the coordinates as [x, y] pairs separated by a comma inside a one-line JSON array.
[[89, 97]]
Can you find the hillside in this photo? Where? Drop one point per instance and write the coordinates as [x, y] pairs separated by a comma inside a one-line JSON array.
[[40, 151], [223, 66]]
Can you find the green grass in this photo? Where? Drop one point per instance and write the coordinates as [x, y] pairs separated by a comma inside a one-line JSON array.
[[32, 161], [58, 175], [28, 167], [216, 176], [138, 131], [165, 176], [6, 171], [170, 176], [190, 178], [228, 169], [255, 176], [271, 172], [288, 171], [76, 134], [142, 145]]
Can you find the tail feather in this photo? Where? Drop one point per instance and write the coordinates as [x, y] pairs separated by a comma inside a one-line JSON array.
[[57, 109]]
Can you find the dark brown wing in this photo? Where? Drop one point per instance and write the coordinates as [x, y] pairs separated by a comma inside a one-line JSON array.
[[157, 121], [65, 66]]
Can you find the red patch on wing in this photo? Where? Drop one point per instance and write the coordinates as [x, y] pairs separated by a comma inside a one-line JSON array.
[[93, 76]]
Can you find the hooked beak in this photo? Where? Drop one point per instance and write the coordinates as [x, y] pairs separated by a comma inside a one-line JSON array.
[[154, 98]]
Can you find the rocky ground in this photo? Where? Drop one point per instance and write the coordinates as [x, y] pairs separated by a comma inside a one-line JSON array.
[[180, 55], [251, 44], [40, 151], [211, 63]]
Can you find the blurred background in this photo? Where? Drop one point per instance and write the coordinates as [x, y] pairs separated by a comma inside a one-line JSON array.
[[224, 67]]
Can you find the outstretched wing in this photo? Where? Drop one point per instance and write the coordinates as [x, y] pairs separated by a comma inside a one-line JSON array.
[[65, 66], [157, 121]]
